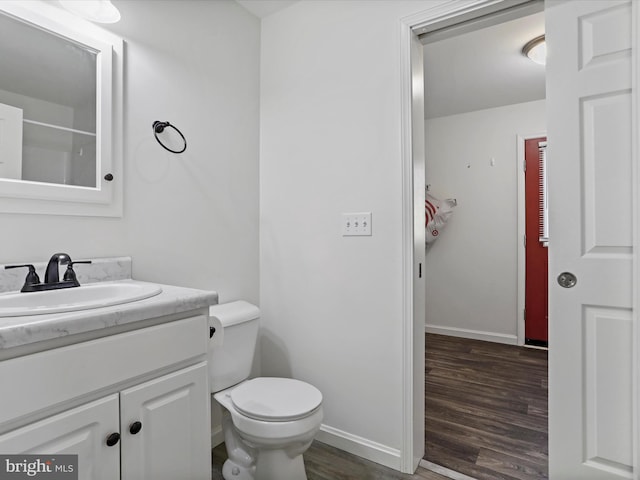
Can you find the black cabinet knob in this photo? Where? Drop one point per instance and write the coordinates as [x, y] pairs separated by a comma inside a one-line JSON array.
[[113, 439], [212, 330], [108, 177], [135, 427]]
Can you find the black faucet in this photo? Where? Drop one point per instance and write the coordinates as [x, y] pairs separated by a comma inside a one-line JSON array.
[[51, 275]]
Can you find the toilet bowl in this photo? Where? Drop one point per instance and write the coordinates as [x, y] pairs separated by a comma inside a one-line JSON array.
[[268, 422]]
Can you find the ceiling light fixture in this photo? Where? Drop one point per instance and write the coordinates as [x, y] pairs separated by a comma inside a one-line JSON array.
[[536, 50], [99, 11]]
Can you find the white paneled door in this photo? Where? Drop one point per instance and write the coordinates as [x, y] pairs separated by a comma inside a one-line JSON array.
[[591, 191]]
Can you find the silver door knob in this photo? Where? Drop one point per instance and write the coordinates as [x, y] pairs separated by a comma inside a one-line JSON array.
[[567, 279]]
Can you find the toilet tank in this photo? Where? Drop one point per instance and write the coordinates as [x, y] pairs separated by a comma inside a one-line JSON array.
[[230, 363]]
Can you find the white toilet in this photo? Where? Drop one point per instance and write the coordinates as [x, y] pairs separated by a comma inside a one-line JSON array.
[[268, 423]]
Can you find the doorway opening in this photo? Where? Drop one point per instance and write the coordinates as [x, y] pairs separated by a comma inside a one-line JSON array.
[[475, 112]]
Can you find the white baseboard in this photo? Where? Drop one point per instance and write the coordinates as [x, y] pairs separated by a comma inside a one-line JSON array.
[[376, 452], [473, 334], [217, 437]]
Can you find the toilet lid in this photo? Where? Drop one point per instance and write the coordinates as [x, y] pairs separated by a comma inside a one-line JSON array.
[[275, 399]]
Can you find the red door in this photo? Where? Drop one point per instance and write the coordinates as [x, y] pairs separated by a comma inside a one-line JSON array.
[[536, 257]]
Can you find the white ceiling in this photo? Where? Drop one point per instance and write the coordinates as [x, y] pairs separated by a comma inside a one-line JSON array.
[[483, 68]]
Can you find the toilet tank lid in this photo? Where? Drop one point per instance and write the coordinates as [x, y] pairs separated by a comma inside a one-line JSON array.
[[233, 313]]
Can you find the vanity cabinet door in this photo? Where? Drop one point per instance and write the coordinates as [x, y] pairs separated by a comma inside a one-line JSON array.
[[80, 431], [165, 425]]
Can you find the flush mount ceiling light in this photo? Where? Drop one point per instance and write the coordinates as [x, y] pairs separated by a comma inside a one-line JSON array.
[[100, 11], [536, 50]]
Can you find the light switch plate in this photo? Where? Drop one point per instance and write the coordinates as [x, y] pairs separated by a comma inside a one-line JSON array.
[[356, 224]]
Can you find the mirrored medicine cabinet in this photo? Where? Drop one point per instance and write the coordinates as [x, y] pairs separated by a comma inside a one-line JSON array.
[[60, 113]]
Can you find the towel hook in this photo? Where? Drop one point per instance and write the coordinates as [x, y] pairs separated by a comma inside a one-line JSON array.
[[158, 127]]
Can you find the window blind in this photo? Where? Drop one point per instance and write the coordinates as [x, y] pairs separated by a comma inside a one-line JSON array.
[[543, 209]]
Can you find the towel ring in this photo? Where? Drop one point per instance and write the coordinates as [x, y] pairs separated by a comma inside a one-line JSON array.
[[158, 127]]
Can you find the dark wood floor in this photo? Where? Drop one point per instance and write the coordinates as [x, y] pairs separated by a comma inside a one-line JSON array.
[[328, 463], [486, 408]]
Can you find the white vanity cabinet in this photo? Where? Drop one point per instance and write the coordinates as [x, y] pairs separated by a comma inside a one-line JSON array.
[[80, 431], [147, 386], [173, 441]]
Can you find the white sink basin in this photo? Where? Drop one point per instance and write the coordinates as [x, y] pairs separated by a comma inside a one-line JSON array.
[[84, 297]]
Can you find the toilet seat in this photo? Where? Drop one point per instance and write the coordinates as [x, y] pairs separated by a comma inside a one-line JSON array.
[[275, 399]]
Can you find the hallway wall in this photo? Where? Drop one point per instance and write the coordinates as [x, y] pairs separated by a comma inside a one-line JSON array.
[[471, 271]]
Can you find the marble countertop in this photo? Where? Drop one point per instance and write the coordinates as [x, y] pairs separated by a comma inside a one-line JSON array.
[[26, 330]]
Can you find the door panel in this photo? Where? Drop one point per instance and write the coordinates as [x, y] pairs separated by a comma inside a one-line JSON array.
[[591, 197], [80, 431], [608, 431], [175, 440], [607, 161]]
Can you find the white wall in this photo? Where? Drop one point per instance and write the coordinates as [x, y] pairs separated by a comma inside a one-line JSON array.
[[330, 143], [189, 219], [471, 271]]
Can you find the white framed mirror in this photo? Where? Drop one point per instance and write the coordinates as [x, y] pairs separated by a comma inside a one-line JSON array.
[[60, 113]]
